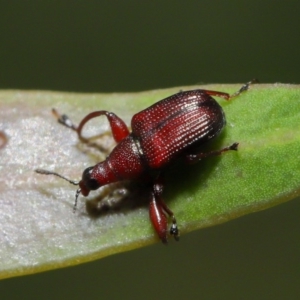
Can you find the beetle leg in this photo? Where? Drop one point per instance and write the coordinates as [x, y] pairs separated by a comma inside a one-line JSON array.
[[118, 127], [158, 218], [193, 158], [157, 211], [226, 96]]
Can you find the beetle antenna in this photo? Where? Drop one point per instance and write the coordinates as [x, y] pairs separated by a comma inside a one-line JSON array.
[[46, 172], [76, 199]]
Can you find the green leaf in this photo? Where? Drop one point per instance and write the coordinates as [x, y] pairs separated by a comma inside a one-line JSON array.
[[39, 231]]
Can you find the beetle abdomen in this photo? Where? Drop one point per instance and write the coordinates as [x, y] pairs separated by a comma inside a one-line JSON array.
[[171, 126]]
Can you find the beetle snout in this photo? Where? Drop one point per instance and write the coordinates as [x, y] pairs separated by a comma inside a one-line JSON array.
[[83, 189]]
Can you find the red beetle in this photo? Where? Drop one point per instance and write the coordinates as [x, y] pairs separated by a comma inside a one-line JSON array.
[[166, 131]]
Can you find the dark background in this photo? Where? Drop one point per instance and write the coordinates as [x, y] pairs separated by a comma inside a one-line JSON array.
[[105, 46]]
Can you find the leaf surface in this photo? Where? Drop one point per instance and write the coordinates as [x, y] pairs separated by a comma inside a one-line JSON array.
[[38, 229]]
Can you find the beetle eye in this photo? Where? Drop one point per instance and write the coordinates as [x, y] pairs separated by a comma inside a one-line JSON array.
[[89, 182], [92, 184]]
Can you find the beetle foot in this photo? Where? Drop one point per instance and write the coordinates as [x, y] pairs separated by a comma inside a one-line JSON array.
[[63, 119], [234, 146], [174, 230], [244, 88]]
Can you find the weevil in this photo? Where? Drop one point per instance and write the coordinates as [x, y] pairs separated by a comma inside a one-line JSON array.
[[169, 130]]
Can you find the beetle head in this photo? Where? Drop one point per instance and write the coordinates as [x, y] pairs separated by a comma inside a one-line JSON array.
[[88, 183]]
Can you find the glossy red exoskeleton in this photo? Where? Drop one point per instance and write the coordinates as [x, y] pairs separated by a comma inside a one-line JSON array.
[[162, 133]]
